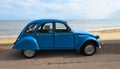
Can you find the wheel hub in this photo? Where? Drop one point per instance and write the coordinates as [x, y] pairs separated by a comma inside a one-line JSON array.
[[89, 49], [29, 53]]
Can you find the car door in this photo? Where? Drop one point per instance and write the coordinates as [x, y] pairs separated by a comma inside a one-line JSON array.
[[45, 36], [64, 38]]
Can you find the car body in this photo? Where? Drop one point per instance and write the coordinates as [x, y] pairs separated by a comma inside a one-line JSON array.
[[53, 34]]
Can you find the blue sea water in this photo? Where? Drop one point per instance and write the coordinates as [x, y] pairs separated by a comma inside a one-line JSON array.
[[14, 27]]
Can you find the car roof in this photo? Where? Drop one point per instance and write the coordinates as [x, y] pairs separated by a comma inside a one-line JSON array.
[[40, 21]]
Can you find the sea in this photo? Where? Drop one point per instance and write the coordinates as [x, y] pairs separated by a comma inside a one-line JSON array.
[[12, 28]]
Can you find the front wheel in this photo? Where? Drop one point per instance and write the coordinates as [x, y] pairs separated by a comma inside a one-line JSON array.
[[88, 49], [29, 53]]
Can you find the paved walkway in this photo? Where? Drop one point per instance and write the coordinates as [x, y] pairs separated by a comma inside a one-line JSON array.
[[106, 58]]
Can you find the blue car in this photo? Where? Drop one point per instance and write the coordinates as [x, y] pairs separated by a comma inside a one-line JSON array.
[[53, 34]]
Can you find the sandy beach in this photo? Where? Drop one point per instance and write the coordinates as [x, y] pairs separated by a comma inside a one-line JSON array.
[[110, 34]]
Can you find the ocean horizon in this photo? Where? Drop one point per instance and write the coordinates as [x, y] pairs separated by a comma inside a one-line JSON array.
[[12, 28]]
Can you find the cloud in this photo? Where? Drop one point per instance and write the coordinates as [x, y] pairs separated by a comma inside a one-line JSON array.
[[101, 9], [65, 9]]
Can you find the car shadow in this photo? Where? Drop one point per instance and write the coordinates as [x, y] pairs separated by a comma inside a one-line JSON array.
[[11, 55], [58, 53]]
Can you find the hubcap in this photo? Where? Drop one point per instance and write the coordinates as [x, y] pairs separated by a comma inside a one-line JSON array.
[[29, 53], [89, 49]]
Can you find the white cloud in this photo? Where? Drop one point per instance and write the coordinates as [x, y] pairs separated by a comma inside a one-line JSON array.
[[77, 9], [101, 9]]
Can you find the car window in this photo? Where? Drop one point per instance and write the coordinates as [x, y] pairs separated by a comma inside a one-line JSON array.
[[31, 28], [46, 28], [61, 28]]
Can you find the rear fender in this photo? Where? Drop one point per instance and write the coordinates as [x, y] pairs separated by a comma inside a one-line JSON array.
[[27, 43]]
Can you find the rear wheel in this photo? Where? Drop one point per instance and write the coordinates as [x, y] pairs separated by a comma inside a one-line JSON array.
[[29, 53], [88, 49]]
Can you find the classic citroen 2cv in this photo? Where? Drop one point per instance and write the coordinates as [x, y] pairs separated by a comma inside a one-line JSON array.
[[53, 34]]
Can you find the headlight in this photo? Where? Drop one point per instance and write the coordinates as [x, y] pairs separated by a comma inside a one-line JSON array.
[[97, 36]]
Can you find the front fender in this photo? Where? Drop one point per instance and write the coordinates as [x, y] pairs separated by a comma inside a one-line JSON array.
[[82, 41], [27, 43]]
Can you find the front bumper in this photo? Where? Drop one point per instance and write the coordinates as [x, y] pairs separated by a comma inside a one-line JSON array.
[[100, 44]]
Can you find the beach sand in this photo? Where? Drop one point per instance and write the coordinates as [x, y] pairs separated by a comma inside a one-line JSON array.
[[111, 34], [7, 40]]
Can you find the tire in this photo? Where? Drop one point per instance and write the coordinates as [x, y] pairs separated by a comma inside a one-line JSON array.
[[29, 53], [88, 49]]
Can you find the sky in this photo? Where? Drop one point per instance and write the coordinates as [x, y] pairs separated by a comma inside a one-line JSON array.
[[59, 9]]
